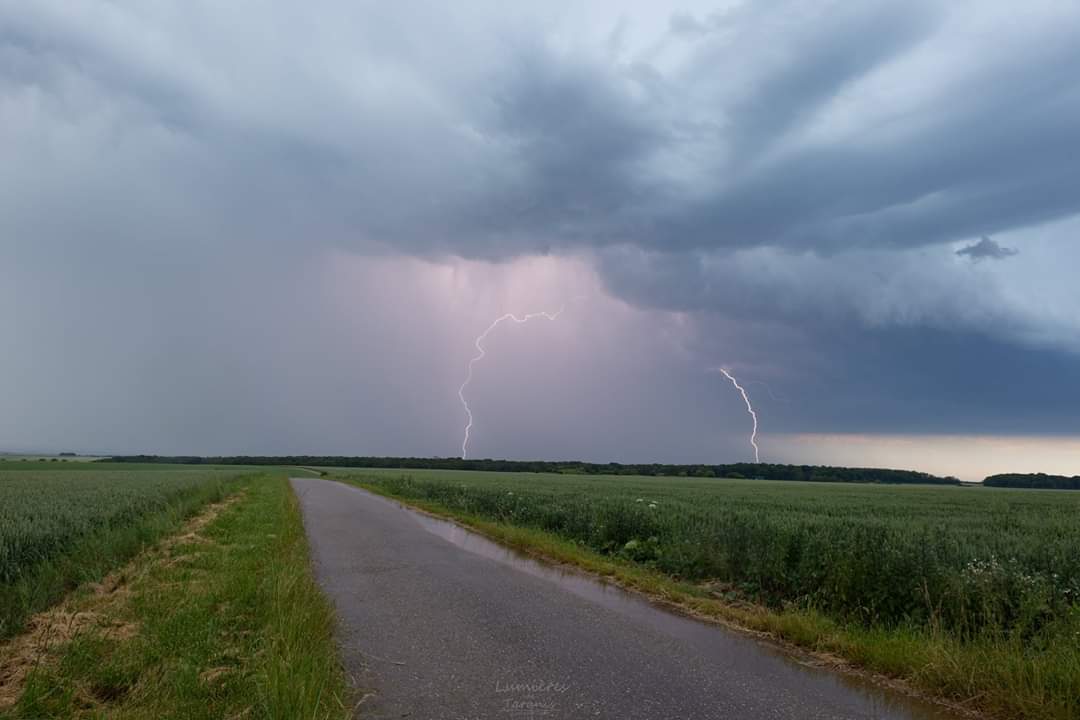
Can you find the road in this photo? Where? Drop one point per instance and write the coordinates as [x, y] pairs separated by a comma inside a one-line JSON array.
[[437, 623]]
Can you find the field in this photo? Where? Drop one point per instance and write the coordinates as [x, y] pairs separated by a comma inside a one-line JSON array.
[[43, 513], [968, 594], [988, 579], [159, 591], [62, 527]]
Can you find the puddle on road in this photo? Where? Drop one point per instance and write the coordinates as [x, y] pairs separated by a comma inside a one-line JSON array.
[[720, 646]]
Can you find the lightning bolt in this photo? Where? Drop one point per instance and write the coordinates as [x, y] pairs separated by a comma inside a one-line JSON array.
[[480, 353], [749, 408]]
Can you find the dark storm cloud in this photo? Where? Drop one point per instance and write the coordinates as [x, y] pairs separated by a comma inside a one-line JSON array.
[[526, 143], [573, 135], [976, 165], [986, 249], [873, 288], [957, 180], [829, 53], [923, 380], [788, 173], [679, 160], [603, 150]]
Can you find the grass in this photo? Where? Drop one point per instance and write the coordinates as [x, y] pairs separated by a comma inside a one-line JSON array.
[[224, 620], [61, 528], [952, 590]]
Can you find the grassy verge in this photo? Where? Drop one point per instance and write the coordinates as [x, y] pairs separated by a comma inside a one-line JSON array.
[[99, 552], [1000, 676], [221, 620]]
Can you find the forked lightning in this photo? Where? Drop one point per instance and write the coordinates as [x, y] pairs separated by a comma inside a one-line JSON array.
[[480, 353], [750, 409]]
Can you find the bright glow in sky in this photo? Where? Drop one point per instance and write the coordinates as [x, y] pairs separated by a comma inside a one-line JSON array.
[[967, 457]]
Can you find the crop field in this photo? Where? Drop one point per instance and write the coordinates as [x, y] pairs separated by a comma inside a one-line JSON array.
[[973, 563], [60, 527], [206, 607]]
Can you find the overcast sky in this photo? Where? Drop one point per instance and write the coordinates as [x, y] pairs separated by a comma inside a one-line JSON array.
[[278, 228]]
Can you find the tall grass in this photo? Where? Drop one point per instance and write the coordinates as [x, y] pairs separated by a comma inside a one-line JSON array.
[[302, 676], [60, 529], [227, 622]]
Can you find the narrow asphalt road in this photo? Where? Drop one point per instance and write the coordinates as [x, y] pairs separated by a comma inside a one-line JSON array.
[[437, 623]]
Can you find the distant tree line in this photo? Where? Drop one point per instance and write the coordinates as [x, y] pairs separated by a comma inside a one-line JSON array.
[[1034, 480], [767, 471]]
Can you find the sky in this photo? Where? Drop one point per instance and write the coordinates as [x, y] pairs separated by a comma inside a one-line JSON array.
[[266, 228]]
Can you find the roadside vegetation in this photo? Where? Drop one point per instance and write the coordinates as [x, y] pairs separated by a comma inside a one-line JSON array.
[[62, 525], [967, 594], [218, 616]]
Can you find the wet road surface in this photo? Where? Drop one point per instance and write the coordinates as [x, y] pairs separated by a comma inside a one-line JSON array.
[[438, 623]]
